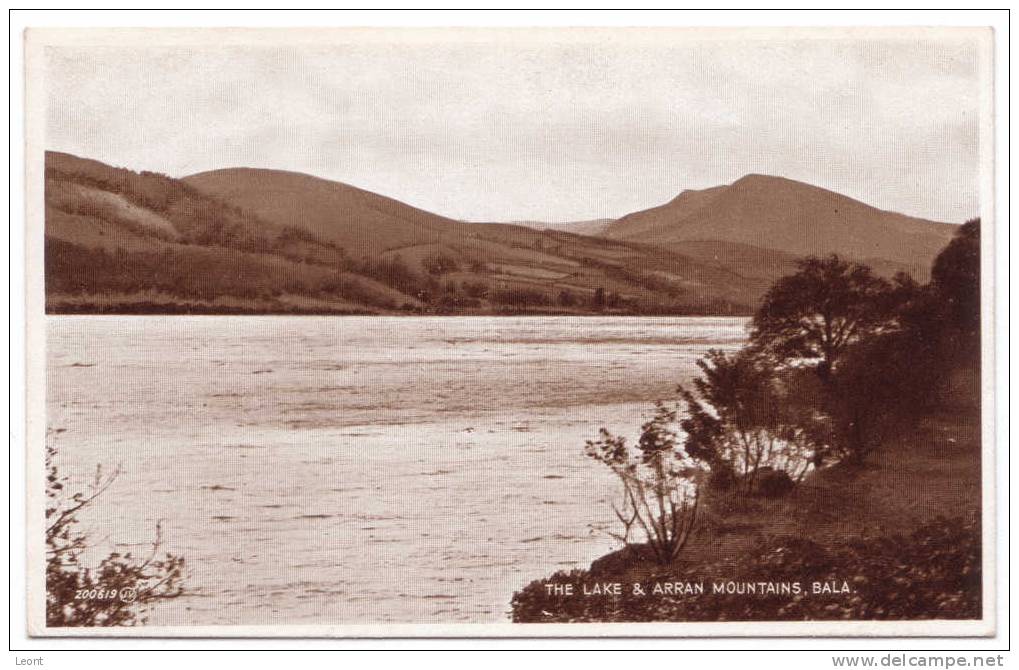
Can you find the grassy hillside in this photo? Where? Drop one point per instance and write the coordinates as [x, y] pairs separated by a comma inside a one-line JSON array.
[[262, 241], [788, 217], [266, 241], [361, 222]]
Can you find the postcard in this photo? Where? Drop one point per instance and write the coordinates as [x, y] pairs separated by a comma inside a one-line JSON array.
[[510, 332]]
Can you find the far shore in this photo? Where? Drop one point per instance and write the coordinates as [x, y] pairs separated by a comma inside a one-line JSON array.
[[217, 310]]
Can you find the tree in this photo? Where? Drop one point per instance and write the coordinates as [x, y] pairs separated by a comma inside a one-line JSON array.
[[818, 311], [887, 381], [660, 484], [955, 280], [740, 420], [871, 393], [118, 591], [598, 302]]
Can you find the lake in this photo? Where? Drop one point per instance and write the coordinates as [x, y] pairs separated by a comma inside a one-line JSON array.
[[321, 470]]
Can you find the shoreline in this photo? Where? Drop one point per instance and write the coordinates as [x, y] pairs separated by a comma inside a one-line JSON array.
[[145, 310], [848, 528]]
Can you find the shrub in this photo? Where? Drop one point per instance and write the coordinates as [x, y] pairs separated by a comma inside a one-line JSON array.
[[738, 421], [934, 573], [772, 483], [566, 298], [121, 588], [392, 272], [660, 483], [722, 479]]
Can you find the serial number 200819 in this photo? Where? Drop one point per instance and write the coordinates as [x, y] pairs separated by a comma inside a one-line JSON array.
[[104, 594]]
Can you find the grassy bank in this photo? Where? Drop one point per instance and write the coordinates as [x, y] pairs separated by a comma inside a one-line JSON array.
[[896, 537]]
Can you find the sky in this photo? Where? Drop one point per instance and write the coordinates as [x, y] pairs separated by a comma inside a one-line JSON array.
[[540, 125]]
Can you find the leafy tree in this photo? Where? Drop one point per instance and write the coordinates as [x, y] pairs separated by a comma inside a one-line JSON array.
[[660, 483], [740, 420], [818, 311], [955, 279], [872, 393], [887, 381], [117, 592]]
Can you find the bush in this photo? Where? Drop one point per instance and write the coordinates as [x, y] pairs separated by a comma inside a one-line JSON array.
[[772, 483], [121, 588], [722, 479], [660, 485], [392, 272], [934, 573], [739, 422]]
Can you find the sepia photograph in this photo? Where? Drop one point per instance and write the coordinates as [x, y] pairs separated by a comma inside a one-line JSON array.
[[509, 332]]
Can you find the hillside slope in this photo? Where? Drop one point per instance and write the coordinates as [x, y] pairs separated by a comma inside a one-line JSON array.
[[265, 241], [789, 217], [360, 221]]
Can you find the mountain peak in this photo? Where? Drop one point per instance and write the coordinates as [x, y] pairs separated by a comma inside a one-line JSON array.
[[782, 214], [756, 178]]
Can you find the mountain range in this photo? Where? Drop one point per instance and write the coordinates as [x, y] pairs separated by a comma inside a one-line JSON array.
[[242, 240]]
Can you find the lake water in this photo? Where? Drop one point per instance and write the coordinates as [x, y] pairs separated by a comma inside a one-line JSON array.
[[358, 469]]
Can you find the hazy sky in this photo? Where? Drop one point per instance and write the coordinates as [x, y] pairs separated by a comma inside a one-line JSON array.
[[538, 128]]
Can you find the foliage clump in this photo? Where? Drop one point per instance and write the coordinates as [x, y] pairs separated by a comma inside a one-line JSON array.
[[740, 420], [121, 589], [932, 573], [660, 485]]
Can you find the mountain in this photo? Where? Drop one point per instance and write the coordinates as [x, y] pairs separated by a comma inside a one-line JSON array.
[[265, 241], [359, 221], [761, 214]]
